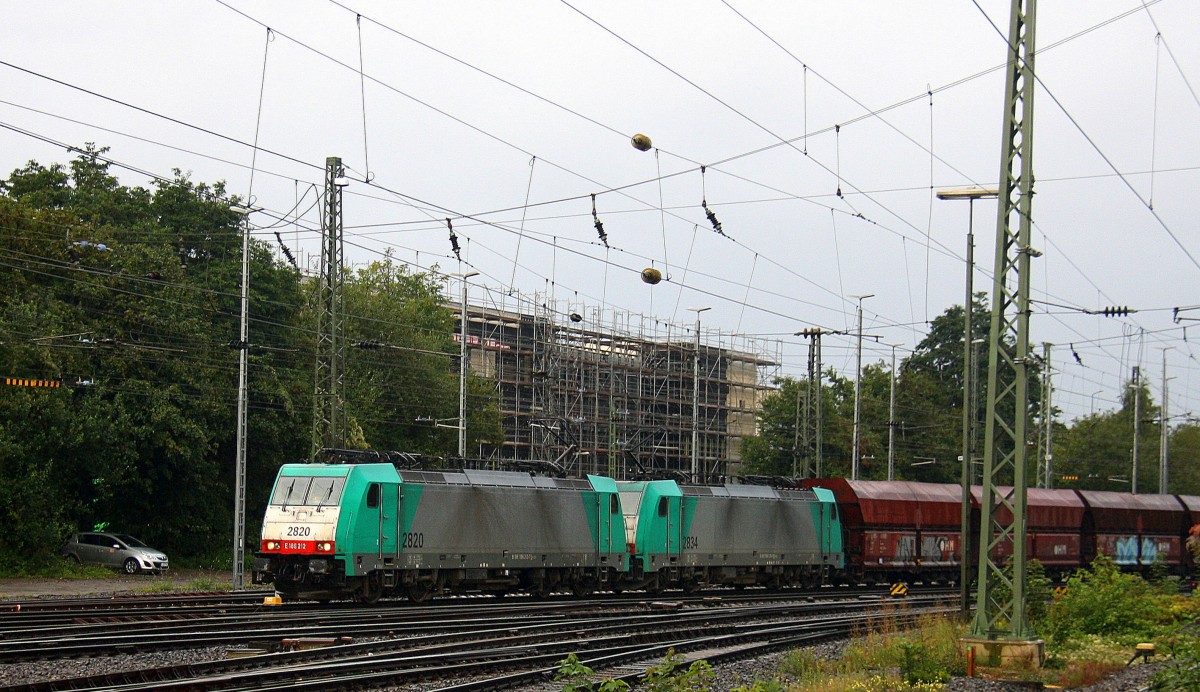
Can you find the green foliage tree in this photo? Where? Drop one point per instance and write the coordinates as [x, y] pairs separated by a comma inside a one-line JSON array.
[[404, 369], [1095, 453], [131, 298]]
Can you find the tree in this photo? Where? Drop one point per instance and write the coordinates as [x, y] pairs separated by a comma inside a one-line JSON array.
[[403, 371], [1095, 452], [129, 298]]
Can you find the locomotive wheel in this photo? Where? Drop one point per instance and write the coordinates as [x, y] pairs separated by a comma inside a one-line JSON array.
[[583, 589], [370, 596], [371, 591], [690, 586], [419, 593]]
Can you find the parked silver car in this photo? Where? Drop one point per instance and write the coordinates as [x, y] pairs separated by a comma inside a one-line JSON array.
[[118, 550]]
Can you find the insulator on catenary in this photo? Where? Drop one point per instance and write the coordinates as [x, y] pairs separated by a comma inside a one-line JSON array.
[[712, 218], [286, 252], [599, 225], [454, 240]]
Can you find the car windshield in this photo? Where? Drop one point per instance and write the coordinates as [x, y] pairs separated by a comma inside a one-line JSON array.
[[129, 540], [308, 490]]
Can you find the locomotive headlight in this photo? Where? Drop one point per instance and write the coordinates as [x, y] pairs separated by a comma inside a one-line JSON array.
[[272, 545], [325, 547]]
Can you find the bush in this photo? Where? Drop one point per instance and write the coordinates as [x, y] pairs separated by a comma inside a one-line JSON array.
[[1103, 600], [670, 676], [1183, 673]]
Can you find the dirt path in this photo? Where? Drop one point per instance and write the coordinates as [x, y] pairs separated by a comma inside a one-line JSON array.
[[176, 580]]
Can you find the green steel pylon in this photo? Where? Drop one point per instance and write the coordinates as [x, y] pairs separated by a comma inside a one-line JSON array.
[[1002, 515], [329, 415]]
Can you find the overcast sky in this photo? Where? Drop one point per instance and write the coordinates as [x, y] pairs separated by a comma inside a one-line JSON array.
[[514, 113]]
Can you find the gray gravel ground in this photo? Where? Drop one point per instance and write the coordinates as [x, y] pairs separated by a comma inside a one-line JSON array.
[[728, 675]]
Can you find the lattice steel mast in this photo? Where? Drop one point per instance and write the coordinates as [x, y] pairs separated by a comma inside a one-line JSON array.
[[329, 415], [1002, 519]]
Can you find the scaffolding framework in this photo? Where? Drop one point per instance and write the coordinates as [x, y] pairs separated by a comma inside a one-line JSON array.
[[611, 392]]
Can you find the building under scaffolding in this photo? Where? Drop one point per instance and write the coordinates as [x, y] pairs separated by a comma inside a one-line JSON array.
[[608, 392]]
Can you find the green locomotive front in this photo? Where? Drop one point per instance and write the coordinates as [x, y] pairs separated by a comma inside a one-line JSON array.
[[368, 530]]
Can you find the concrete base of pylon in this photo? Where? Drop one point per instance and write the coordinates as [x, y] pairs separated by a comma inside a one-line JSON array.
[[1006, 653]]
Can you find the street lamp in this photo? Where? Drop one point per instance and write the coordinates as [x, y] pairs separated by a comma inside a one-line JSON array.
[[462, 366], [1099, 391], [696, 399], [969, 194], [857, 444]]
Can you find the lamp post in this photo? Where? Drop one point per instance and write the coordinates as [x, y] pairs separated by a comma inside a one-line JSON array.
[[969, 194], [696, 399], [462, 366], [856, 446]]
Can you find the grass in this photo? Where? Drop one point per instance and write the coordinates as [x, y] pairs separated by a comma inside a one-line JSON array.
[[883, 658], [1085, 647], [166, 584]]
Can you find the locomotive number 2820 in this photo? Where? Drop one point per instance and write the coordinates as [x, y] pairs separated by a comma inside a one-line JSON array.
[[299, 531], [413, 540]]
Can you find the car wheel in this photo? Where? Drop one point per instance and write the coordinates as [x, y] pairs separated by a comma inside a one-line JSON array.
[[131, 566]]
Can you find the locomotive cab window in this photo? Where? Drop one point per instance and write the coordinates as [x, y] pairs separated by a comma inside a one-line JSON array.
[[662, 506], [373, 495], [614, 505], [291, 490], [325, 491]]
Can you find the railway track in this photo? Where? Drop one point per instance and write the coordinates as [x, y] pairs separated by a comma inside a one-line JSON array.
[[466, 643]]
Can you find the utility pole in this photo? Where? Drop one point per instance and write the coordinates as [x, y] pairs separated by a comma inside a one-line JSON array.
[[696, 400], [796, 430], [812, 410], [892, 420], [1135, 383], [329, 415], [462, 367], [1002, 618], [1047, 465], [856, 446], [243, 407], [1164, 430]]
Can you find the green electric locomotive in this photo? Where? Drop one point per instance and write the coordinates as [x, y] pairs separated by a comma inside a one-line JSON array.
[[367, 530]]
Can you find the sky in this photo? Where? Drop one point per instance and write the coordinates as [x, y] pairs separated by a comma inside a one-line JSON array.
[[815, 133]]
